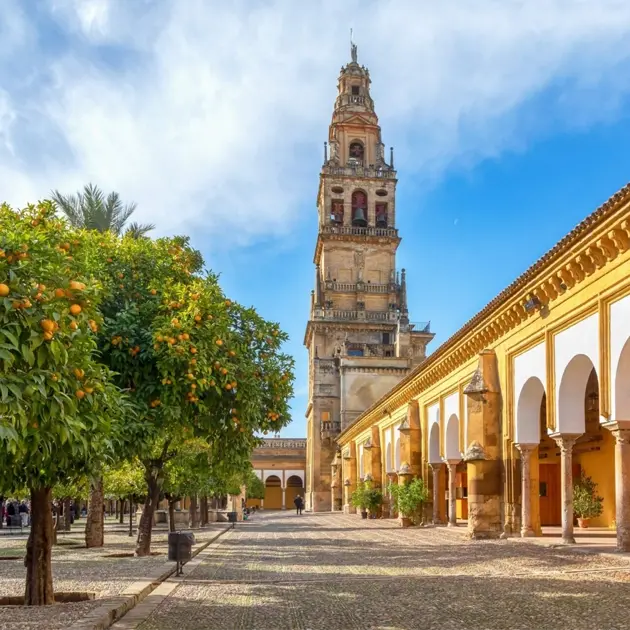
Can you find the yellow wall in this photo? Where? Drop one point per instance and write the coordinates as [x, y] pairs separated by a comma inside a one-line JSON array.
[[596, 276]]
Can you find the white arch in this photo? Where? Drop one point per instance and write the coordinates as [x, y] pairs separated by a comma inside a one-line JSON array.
[[434, 415], [389, 458], [620, 359], [360, 471], [434, 444], [527, 419], [273, 473], [571, 417], [576, 353], [451, 438], [294, 473], [397, 462]]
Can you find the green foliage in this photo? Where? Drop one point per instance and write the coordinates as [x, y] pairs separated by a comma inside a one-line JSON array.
[[366, 497], [91, 210], [409, 498], [255, 487], [124, 480], [195, 364], [58, 406], [78, 488], [586, 502]]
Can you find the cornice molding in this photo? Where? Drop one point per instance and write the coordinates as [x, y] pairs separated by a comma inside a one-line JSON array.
[[596, 242]]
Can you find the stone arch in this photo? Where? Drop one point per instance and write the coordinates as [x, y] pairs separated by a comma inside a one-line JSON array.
[[622, 385], [294, 487], [359, 208], [451, 438], [273, 492], [527, 429], [397, 455], [268, 474], [434, 445], [356, 152], [389, 458], [571, 417]]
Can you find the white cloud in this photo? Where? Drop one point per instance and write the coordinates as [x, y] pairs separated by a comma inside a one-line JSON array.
[[212, 115]]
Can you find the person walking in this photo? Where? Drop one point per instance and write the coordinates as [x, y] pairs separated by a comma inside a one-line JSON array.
[[299, 504], [23, 511]]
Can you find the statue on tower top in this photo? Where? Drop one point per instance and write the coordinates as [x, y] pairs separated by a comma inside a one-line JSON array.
[[353, 52]]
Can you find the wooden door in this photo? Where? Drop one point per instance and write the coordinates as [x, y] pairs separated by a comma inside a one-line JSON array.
[[550, 495], [461, 482]]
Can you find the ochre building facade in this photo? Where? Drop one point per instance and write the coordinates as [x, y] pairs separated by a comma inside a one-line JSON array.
[[533, 392], [359, 337], [280, 464]]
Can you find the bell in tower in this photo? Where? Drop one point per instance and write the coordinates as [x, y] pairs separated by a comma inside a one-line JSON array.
[[359, 209]]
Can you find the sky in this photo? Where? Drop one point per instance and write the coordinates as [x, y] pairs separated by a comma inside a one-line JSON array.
[[510, 121]]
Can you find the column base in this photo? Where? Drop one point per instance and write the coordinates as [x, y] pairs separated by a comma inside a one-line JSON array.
[[527, 533], [568, 541]]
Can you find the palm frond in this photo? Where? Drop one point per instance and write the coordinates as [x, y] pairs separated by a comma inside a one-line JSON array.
[[138, 230]]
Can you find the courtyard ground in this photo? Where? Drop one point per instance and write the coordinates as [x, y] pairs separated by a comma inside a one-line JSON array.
[[100, 571], [337, 572]]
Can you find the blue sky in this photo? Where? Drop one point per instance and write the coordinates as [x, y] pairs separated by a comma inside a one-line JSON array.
[[509, 120]]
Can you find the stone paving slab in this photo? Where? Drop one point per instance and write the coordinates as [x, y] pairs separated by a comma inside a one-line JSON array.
[[336, 572], [117, 582]]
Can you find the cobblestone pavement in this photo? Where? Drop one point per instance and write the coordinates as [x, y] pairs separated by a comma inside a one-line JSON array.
[[336, 572], [76, 568]]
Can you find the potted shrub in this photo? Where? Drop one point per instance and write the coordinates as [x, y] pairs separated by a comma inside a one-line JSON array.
[[586, 503], [359, 498], [409, 499], [374, 500]]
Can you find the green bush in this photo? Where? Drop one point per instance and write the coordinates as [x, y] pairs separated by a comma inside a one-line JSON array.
[[365, 497], [586, 502], [409, 498]]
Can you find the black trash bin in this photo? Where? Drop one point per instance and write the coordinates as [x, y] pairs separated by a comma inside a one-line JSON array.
[[232, 517], [180, 547]]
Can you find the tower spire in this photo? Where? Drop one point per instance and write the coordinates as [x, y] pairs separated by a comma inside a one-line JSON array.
[[404, 312], [353, 48]]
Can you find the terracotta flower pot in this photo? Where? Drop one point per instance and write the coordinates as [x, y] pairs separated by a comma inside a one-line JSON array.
[[363, 514], [405, 521], [583, 523]]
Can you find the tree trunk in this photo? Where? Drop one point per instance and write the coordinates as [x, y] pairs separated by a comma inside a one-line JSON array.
[[121, 515], [67, 525], [38, 561], [131, 517], [204, 510], [143, 542], [171, 515], [194, 512], [95, 525]]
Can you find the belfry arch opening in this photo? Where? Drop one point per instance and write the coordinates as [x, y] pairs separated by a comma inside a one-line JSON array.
[[356, 153], [359, 208]]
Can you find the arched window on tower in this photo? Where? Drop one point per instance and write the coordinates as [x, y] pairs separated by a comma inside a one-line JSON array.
[[359, 209], [336, 212], [356, 153], [381, 215]]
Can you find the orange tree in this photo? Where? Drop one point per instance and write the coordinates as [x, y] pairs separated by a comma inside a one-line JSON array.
[[59, 411], [196, 363]]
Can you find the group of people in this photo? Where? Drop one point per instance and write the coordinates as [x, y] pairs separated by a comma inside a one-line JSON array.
[[12, 509]]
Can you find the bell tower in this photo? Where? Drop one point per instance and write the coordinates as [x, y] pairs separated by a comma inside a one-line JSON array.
[[359, 338]]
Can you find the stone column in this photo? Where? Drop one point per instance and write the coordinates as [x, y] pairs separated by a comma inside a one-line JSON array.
[[483, 453], [376, 464], [566, 441], [527, 529], [392, 507], [350, 481], [284, 499], [452, 496], [436, 492], [262, 504], [621, 431]]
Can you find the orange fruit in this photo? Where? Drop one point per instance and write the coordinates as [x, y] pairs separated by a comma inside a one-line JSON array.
[[4, 290], [193, 386], [212, 383], [59, 293], [88, 390], [232, 353], [48, 335], [77, 286], [197, 318], [224, 371], [185, 336], [228, 303], [79, 373], [171, 340], [219, 342], [193, 350], [228, 386], [75, 309], [17, 305], [79, 394], [190, 375], [153, 291], [193, 362], [48, 325]]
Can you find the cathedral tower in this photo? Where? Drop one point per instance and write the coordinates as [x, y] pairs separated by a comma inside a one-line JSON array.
[[359, 338]]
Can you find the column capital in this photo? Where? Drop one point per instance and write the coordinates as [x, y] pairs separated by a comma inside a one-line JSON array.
[[452, 462], [526, 449], [565, 441], [620, 430], [436, 466]]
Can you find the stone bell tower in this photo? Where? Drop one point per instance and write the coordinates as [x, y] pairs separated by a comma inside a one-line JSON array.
[[359, 338]]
